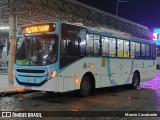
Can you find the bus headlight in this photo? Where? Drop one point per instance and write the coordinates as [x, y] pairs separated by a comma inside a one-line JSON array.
[[51, 75]]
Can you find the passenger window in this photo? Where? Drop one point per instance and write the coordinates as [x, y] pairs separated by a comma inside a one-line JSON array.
[[143, 51], [82, 42], [93, 44], [126, 49], [137, 53], [89, 48], [132, 51], [96, 44], [120, 47], [72, 44], [112, 47], [105, 46], [147, 51], [153, 51], [158, 51]]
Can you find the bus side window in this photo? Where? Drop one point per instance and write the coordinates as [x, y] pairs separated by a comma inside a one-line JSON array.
[[72, 46], [126, 49], [158, 51], [69, 49], [120, 48], [96, 45], [90, 46], [153, 52], [81, 37], [112, 47], [143, 51], [132, 49], [137, 53], [147, 51], [105, 46]]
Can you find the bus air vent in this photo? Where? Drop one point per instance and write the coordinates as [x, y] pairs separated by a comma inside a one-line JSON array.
[[30, 71]]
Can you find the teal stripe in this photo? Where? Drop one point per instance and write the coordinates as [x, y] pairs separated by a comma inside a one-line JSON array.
[[109, 73], [130, 73]]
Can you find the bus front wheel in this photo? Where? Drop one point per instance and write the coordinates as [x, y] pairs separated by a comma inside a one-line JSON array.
[[85, 86], [135, 80]]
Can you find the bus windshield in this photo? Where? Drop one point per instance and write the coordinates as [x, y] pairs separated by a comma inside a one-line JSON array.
[[37, 50]]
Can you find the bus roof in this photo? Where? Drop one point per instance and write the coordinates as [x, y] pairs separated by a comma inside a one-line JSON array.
[[101, 31], [117, 34]]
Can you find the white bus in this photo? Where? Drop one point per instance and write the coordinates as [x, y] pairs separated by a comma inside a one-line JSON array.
[[61, 57]]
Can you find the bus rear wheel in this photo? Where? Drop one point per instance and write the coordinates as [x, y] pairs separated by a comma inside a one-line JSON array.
[[135, 80], [85, 86]]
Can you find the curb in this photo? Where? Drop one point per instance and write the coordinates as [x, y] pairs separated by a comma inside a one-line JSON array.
[[12, 92]]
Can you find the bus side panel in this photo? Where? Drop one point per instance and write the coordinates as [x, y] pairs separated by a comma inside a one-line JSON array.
[[113, 72], [73, 73], [69, 83], [150, 67], [53, 85], [120, 71]]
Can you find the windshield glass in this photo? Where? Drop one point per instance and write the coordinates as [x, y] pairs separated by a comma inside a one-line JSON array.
[[37, 50]]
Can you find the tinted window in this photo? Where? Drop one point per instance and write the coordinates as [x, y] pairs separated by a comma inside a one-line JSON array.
[[133, 49], [138, 50], [123, 48], [158, 51], [143, 51], [120, 46], [153, 52], [90, 47], [73, 44], [96, 44], [147, 51], [112, 47], [126, 49], [105, 46], [93, 44]]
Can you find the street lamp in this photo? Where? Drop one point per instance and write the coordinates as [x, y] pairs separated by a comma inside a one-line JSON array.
[[118, 1], [4, 28]]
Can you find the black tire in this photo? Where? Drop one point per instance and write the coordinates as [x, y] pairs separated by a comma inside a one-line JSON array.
[[85, 86], [135, 80]]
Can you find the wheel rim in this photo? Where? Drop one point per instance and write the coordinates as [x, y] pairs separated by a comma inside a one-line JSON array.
[[85, 86]]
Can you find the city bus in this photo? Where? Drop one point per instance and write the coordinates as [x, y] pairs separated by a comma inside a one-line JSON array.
[[62, 57]]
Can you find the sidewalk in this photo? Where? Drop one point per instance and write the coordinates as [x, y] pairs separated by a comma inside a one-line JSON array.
[[5, 88]]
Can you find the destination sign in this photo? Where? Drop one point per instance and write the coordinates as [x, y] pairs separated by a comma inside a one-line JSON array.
[[38, 28]]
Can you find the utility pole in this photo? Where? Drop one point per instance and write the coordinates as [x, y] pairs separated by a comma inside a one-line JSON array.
[[12, 40], [117, 6]]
